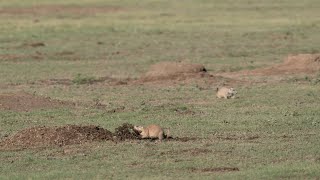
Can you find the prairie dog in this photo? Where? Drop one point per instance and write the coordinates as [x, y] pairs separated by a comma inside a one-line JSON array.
[[152, 131], [226, 93]]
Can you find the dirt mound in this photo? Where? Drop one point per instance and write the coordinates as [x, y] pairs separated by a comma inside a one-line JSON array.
[[301, 63], [173, 70], [26, 102], [126, 131], [65, 135], [72, 134]]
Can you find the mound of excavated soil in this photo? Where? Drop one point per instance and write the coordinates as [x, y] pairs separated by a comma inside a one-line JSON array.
[[67, 135], [126, 131], [302, 63], [72, 134], [173, 70], [27, 102]]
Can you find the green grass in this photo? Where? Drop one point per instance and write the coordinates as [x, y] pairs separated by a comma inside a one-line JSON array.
[[270, 132]]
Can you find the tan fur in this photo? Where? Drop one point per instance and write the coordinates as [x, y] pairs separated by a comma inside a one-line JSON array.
[[226, 93], [152, 131]]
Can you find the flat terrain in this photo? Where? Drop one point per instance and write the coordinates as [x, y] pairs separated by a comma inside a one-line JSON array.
[[74, 74]]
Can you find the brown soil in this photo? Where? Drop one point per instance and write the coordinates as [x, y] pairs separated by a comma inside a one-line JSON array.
[[293, 64], [26, 102], [245, 137], [104, 80], [126, 131], [35, 137], [33, 44], [17, 57], [58, 10], [218, 169], [174, 71], [48, 136], [67, 135], [302, 63], [237, 138], [54, 82]]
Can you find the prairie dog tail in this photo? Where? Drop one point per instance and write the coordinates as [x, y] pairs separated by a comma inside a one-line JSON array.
[[217, 89]]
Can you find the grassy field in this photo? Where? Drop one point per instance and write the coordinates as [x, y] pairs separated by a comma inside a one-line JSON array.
[[270, 132]]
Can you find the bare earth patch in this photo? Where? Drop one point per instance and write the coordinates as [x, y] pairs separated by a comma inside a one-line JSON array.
[[173, 70], [217, 169], [33, 44], [293, 64], [104, 80], [27, 102], [302, 63], [237, 136], [19, 57], [66, 135], [171, 73], [48, 136], [58, 10]]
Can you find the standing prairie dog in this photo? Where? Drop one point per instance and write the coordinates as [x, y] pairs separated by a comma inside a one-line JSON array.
[[226, 93], [152, 131]]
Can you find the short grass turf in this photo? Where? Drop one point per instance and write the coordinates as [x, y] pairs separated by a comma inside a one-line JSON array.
[[270, 132]]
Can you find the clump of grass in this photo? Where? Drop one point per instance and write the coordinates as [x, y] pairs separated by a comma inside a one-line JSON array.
[[83, 79]]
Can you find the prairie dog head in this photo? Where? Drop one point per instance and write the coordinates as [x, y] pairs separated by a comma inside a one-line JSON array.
[[232, 91], [138, 128]]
